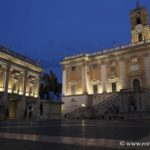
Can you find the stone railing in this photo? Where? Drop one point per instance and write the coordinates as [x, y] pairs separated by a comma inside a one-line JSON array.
[[107, 101], [74, 112], [141, 89], [103, 51]]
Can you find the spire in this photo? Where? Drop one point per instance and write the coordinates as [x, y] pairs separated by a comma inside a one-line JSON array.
[[137, 4]]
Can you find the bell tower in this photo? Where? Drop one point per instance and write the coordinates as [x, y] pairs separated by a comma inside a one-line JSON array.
[[140, 28]]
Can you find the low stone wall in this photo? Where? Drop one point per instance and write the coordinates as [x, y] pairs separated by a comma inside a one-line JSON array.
[[73, 102], [49, 110], [76, 101]]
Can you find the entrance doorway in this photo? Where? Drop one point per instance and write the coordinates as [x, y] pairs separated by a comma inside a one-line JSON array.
[[12, 109], [132, 104], [114, 86], [136, 84], [95, 88]]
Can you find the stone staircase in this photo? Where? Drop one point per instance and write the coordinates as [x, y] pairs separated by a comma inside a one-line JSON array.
[[80, 113], [94, 111], [110, 107], [105, 105]]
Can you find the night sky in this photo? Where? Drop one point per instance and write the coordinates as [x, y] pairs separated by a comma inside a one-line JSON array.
[[49, 30]]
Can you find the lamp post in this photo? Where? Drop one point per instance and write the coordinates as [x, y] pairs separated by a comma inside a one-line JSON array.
[[83, 106]]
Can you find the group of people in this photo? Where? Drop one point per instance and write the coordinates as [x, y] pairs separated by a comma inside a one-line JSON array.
[[28, 113]]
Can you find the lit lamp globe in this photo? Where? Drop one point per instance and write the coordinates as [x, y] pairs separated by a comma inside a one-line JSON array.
[[83, 105]]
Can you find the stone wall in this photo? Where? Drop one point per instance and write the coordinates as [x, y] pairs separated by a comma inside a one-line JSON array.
[[50, 110]]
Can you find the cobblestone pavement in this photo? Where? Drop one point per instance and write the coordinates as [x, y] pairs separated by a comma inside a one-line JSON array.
[[74, 134]]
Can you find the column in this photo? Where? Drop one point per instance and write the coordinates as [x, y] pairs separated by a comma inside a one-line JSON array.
[[36, 91], [5, 97], [2, 78], [2, 83], [104, 77], [23, 100], [20, 84], [36, 110], [20, 108], [24, 83], [122, 74], [64, 82], [10, 82], [85, 80]]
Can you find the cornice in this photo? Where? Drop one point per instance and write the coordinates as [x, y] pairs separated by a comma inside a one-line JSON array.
[[20, 62], [113, 53]]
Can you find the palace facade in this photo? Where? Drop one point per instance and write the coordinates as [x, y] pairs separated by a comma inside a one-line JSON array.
[[111, 80], [19, 85]]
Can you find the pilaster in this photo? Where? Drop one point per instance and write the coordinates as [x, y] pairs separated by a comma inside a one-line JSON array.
[[64, 82], [85, 79], [104, 77], [122, 74], [5, 97], [36, 92], [23, 100]]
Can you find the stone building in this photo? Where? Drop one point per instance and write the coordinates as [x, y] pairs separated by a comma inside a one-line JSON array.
[[111, 80], [19, 85]]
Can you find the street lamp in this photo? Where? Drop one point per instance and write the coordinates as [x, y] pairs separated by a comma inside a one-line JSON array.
[[83, 106]]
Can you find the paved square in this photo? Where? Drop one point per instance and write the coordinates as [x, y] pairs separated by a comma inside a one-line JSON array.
[[74, 134]]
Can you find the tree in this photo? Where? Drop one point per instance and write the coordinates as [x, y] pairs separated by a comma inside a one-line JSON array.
[[50, 87]]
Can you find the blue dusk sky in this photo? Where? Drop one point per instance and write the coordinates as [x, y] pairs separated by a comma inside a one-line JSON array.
[[49, 30]]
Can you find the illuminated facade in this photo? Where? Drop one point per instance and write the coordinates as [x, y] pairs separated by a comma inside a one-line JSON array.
[[19, 84], [107, 75]]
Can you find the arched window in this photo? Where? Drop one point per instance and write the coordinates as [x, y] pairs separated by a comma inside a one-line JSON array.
[[140, 37], [136, 84], [138, 20]]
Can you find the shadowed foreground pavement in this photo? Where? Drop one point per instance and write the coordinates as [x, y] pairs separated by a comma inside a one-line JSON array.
[[27, 145], [72, 135]]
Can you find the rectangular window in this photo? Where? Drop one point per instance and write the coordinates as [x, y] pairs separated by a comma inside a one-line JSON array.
[[134, 59], [94, 66], [73, 68], [30, 91], [112, 64], [14, 87], [114, 87], [73, 89], [95, 88]]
